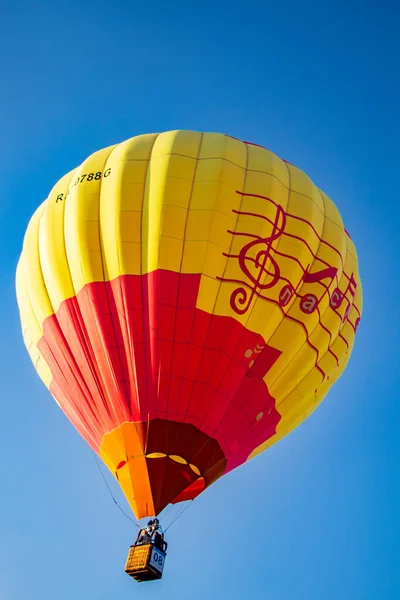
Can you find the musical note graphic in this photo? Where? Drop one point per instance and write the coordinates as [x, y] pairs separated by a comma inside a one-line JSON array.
[[258, 261], [329, 272], [309, 302], [286, 294], [264, 265]]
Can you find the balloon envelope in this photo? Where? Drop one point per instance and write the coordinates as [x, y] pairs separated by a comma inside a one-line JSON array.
[[188, 299]]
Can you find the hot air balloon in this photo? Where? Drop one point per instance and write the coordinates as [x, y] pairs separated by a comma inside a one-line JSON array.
[[188, 299]]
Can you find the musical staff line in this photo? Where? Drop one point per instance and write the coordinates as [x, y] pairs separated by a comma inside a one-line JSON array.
[[297, 218]]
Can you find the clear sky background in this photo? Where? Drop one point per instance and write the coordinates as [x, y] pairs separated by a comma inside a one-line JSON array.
[[317, 516]]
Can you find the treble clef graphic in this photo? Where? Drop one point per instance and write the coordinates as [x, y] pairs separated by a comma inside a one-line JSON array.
[[241, 298]]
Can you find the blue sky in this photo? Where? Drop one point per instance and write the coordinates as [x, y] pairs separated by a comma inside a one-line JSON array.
[[316, 517]]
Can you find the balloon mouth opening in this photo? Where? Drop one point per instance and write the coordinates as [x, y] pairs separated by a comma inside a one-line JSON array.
[[161, 462]]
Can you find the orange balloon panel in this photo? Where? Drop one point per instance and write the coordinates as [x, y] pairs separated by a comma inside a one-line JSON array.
[[188, 299]]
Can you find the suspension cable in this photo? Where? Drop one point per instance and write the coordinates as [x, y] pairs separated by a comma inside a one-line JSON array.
[[184, 508], [111, 494]]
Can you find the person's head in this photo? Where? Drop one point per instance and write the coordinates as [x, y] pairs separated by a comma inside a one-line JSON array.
[[151, 522], [156, 521]]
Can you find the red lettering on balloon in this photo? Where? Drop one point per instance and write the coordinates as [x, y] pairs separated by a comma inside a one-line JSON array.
[[308, 303], [286, 295], [336, 299]]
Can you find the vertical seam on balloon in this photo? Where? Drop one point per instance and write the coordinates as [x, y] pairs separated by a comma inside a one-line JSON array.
[[288, 365], [86, 342], [353, 305], [54, 315], [338, 281], [190, 343], [23, 281], [316, 403], [150, 290], [180, 281], [319, 357], [37, 248], [244, 324], [125, 434], [146, 342], [82, 331], [216, 296], [144, 282], [44, 287], [298, 293], [190, 337], [110, 289], [193, 322], [179, 275], [39, 251], [328, 350], [215, 302], [119, 387], [142, 287], [109, 406], [28, 297], [132, 351], [340, 335], [129, 349]]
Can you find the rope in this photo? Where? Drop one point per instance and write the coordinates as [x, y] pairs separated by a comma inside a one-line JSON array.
[[179, 515], [165, 511], [111, 494]]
